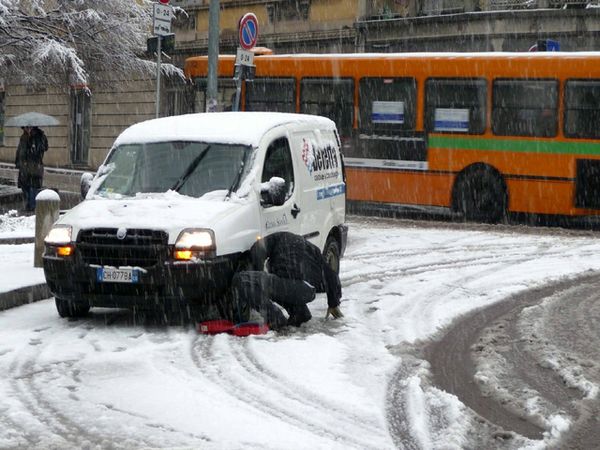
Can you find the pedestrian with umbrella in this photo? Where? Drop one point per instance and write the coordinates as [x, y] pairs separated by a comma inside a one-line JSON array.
[[30, 154]]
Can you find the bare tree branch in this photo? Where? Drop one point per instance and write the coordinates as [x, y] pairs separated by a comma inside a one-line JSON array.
[[54, 40]]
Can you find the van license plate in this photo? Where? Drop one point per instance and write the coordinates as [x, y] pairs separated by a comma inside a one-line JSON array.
[[113, 275]]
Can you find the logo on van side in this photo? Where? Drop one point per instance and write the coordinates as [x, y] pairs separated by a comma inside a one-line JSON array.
[[318, 159]]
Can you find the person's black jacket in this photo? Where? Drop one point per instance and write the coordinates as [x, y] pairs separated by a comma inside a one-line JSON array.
[[291, 256], [29, 159]]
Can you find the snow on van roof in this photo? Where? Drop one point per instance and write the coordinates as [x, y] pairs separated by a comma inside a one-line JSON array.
[[244, 128]]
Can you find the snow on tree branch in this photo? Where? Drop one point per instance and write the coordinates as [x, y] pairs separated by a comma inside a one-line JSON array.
[[70, 40]]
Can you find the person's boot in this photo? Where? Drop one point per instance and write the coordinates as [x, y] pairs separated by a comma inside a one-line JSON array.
[[298, 315], [275, 318]]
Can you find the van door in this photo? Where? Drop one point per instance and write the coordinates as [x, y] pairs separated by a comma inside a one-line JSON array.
[[320, 183], [286, 217]]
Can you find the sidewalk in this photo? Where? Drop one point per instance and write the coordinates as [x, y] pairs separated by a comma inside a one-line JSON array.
[[20, 282]]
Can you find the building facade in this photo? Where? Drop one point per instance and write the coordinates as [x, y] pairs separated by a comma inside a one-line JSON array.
[[92, 116]]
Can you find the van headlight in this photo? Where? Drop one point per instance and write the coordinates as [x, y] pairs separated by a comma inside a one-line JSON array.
[[59, 235], [193, 243], [58, 241]]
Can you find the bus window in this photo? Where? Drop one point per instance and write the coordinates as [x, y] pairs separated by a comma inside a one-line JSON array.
[[225, 94], [455, 105], [271, 94], [582, 108], [525, 108], [387, 104], [329, 97]]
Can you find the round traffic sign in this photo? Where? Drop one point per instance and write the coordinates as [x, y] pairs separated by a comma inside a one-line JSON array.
[[164, 2], [248, 31]]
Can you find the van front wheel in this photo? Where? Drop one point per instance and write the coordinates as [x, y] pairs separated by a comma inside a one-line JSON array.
[[67, 308], [332, 253]]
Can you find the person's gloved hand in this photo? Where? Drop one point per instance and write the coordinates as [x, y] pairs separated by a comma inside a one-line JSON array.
[[336, 312]]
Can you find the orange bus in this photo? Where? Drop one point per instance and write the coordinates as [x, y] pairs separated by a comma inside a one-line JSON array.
[[482, 134]]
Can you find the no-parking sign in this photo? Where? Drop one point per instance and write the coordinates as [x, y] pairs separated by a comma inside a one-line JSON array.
[[248, 31]]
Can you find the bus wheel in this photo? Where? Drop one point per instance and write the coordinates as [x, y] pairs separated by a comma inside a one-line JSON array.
[[480, 194], [66, 308], [332, 253]]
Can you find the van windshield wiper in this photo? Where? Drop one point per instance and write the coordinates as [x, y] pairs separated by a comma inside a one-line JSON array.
[[190, 170], [236, 180]]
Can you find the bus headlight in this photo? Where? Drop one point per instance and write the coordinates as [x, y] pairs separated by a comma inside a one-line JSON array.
[[193, 243]]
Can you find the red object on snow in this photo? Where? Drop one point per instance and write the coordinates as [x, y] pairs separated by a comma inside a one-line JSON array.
[[225, 326], [215, 326], [248, 328]]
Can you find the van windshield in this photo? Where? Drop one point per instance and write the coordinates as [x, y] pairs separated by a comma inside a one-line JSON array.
[[190, 168]]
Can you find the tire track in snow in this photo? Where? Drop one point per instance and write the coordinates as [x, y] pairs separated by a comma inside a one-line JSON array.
[[24, 372], [335, 413], [396, 407], [247, 387]]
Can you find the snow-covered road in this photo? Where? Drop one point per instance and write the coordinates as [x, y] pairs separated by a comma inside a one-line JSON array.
[[107, 382]]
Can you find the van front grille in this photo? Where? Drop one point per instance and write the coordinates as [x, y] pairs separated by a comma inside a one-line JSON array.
[[141, 248]]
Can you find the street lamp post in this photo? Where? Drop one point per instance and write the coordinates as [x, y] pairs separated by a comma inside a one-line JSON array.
[[213, 55]]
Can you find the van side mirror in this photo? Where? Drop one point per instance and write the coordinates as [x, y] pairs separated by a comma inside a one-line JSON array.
[[272, 193], [86, 183]]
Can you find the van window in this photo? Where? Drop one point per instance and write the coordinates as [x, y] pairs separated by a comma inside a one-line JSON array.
[[525, 108], [278, 163], [582, 108], [455, 105], [271, 94]]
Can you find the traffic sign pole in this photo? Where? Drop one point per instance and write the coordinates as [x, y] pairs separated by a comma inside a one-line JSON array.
[[248, 35], [158, 63], [161, 25]]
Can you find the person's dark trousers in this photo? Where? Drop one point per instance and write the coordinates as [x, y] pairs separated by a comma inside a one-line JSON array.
[[258, 290], [31, 194]]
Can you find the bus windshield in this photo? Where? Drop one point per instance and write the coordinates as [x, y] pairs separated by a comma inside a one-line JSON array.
[[190, 168]]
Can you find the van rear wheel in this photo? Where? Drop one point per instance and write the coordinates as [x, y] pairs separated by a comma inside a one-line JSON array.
[[332, 253], [68, 308]]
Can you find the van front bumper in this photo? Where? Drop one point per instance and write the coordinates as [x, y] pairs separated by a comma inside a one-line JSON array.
[[170, 285]]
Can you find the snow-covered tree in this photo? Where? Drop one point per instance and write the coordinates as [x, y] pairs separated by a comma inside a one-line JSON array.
[[71, 40]]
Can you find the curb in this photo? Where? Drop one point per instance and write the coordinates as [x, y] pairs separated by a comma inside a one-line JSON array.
[[17, 240], [24, 295]]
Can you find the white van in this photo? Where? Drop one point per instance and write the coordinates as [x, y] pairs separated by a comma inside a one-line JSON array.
[[179, 201]]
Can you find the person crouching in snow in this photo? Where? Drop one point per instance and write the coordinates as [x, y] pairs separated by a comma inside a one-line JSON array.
[[295, 270]]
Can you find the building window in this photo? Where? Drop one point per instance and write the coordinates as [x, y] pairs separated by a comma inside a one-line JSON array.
[[455, 105], [582, 109], [2, 95], [525, 107], [80, 129]]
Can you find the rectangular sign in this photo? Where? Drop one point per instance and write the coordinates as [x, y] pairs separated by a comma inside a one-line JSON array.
[[161, 24], [244, 57], [451, 119], [387, 112]]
